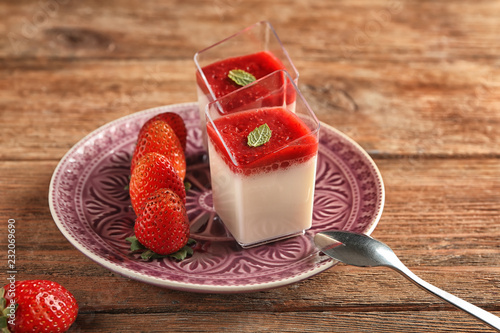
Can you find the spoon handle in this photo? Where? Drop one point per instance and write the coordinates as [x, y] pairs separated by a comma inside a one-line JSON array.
[[485, 316]]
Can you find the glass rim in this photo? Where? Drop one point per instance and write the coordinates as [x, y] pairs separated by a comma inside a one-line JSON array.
[[264, 22]]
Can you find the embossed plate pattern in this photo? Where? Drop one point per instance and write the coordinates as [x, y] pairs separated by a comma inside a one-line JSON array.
[[91, 207]]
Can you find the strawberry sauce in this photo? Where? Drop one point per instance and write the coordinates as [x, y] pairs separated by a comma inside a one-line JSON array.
[[258, 64], [291, 140]]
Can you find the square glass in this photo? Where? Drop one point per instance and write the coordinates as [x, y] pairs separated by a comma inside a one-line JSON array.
[[256, 49], [263, 193]]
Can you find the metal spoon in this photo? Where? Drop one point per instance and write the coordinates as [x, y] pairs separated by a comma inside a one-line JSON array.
[[364, 251]]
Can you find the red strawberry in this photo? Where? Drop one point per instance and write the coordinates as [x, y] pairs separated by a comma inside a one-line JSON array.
[[42, 306], [177, 123], [158, 137], [152, 172], [163, 225]]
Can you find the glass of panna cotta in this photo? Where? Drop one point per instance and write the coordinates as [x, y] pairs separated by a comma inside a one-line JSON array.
[[263, 147], [257, 50]]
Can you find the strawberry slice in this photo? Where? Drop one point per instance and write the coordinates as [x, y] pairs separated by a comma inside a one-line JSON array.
[[163, 225], [152, 172], [40, 306], [177, 123], [156, 136]]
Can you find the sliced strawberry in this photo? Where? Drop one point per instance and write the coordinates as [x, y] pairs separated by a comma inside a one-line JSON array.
[[151, 173], [163, 225], [177, 123], [156, 136], [42, 306]]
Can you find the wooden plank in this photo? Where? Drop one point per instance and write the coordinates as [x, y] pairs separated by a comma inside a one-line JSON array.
[[327, 321], [438, 199], [401, 30], [424, 197], [341, 289], [385, 113]]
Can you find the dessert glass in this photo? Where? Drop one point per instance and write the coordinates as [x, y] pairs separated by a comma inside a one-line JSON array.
[[259, 38], [265, 193]]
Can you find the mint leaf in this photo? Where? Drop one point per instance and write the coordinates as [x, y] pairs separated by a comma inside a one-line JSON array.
[[241, 77], [259, 136]]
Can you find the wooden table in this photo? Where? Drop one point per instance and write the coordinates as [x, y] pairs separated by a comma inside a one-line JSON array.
[[415, 83]]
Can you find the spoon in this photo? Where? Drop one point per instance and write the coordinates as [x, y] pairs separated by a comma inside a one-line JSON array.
[[363, 251]]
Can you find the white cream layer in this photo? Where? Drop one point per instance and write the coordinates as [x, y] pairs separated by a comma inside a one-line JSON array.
[[265, 206]]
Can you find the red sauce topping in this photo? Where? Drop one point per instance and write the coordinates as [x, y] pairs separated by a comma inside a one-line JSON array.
[[291, 140], [258, 64]]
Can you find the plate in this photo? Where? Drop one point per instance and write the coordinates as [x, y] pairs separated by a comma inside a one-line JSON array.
[[91, 207]]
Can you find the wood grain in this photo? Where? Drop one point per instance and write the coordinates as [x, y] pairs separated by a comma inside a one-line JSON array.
[[415, 83]]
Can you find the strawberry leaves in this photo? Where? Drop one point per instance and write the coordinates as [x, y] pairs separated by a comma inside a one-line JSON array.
[[4, 312], [7, 311], [147, 254]]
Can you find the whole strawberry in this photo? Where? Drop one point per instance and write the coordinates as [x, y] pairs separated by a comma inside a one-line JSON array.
[[176, 122], [163, 225], [156, 136], [41, 306], [153, 172]]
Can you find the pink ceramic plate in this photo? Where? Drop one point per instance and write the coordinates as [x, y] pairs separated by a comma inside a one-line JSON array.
[[91, 207]]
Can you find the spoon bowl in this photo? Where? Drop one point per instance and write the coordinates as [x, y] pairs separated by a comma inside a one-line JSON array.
[[355, 249], [364, 251]]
